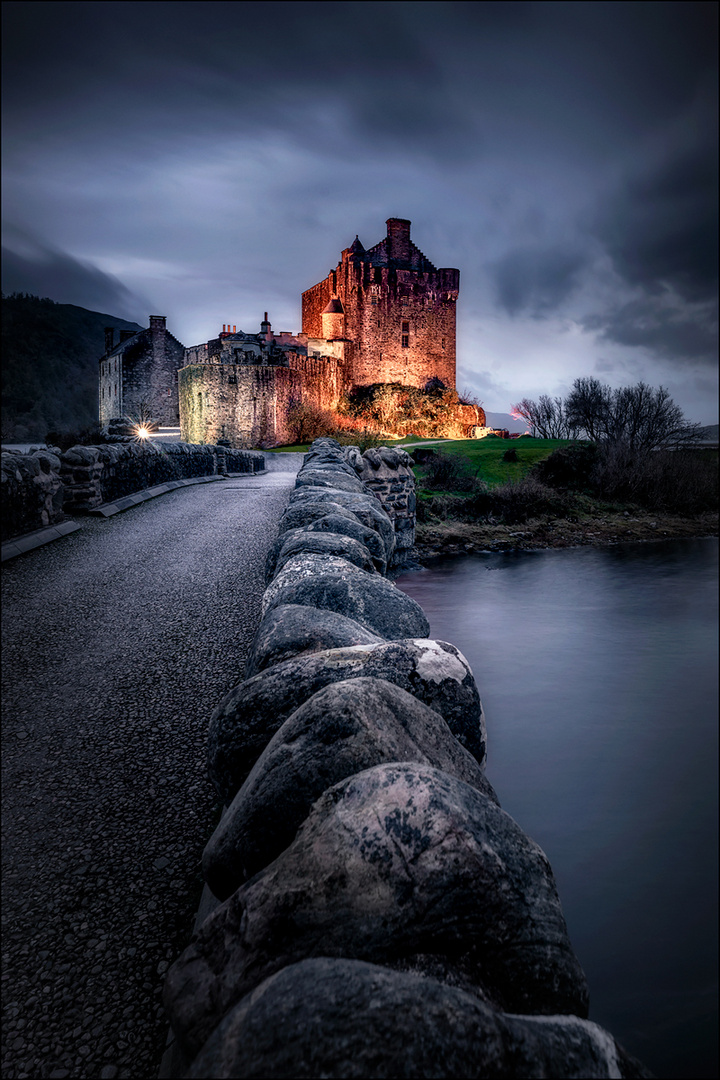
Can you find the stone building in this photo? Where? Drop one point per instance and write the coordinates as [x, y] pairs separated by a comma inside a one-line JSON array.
[[384, 315], [242, 386], [391, 311], [140, 373]]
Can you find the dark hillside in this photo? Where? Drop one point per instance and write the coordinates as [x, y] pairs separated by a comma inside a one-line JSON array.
[[50, 356]]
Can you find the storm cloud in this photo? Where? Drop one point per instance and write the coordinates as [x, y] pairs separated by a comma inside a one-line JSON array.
[[213, 159]]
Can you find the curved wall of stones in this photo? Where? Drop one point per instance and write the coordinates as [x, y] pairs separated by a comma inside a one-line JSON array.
[[32, 492], [379, 914], [92, 475], [39, 487]]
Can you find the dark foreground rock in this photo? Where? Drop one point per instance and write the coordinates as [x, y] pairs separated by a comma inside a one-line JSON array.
[[365, 507], [342, 524], [334, 584], [342, 729], [347, 1019], [293, 630], [337, 545], [246, 719], [392, 864]]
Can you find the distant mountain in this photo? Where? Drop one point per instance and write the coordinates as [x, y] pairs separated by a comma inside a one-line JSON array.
[[710, 433], [505, 420], [50, 356]]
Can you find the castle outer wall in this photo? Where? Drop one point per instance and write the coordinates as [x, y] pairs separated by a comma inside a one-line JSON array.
[[396, 312], [248, 405]]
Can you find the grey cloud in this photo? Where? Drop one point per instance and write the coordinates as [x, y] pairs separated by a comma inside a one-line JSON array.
[[442, 78], [660, 228], [43, 271], [663, 325], [536, 280]]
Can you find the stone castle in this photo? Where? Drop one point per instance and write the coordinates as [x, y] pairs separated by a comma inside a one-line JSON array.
[[383, 315]]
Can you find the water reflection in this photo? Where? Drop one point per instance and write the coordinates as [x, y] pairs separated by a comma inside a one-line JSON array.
[[598, 673]]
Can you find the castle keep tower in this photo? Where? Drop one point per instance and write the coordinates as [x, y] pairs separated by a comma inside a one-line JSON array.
[[390, 312]]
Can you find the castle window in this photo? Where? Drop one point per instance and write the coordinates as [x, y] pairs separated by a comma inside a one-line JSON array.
[[406, 341], [374, 300], [406, 328], [442, 343]]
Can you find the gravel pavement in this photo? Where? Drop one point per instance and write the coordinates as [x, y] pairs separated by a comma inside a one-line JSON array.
[[118, 642]]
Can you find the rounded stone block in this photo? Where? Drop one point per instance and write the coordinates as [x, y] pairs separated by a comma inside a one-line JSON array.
[[348, 1018], [333, 544], [342, 729], [246, 719], [394, 864], [291, 630], [334, 584]]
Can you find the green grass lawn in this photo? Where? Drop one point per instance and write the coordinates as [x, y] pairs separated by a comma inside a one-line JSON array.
[[484, 457]]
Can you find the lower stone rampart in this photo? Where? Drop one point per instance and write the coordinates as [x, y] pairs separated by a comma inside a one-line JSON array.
[[379, 914], [32, 492], [39, 488], [93, 475]]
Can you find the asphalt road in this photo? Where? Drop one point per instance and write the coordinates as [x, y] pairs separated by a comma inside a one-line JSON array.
[[118, 642]]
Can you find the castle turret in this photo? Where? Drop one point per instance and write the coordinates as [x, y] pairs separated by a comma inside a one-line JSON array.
[[333, 320]]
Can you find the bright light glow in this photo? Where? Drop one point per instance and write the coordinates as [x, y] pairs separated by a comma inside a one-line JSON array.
[[143, 433]]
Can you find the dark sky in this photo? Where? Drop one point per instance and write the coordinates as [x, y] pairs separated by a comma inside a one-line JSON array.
[[209, 161]]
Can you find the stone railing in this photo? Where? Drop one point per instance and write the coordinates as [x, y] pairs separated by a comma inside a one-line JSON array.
[[93, 475], [32, 492], [40, 487], [379, 914]]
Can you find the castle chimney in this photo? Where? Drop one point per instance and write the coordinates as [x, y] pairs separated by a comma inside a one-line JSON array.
[[265, 328], [109, 336], [157, 322], [398, 237]]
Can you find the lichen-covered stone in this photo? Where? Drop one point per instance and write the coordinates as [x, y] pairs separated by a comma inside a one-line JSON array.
[[246, 719], [334, 544], [291, 630], [348, 1018], [334, 584], [329, 478], [342, 729], [397, 862]]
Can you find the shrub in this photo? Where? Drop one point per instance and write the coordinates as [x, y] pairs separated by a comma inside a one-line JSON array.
[[675, 481], [568, 467]]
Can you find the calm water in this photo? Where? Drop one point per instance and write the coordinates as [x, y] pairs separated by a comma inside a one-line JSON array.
[[598, 674]]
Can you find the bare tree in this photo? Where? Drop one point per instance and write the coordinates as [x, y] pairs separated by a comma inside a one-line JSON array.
[[546, 417], [639, 417], [588, 407]]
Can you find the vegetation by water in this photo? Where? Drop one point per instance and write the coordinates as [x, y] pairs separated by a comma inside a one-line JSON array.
[[529, 493]]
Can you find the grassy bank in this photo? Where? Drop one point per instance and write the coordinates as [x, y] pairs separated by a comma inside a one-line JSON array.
[[557, 493]]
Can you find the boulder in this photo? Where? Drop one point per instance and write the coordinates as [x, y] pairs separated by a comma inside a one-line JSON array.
[[333, 584], [335, 544], [348, 1018], [329, 478], [394, 864], [366, 508], [246, 719], [290, 630], [344, 728], [299, 515], [350, 526]]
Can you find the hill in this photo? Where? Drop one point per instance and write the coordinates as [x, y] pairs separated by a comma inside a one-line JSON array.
[[50, 358]]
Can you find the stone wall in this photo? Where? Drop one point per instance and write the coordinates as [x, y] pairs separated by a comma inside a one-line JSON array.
[[379, 914], [246, 404], [93, 475], [32, 492]]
